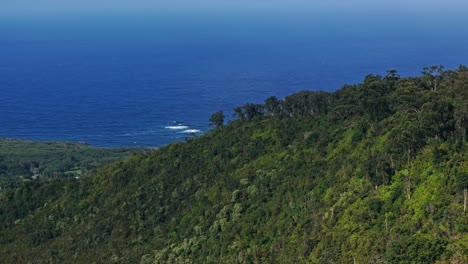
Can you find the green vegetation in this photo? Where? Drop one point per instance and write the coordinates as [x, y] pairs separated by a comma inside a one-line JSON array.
[[372, 173], [217, 119], [21, 158]]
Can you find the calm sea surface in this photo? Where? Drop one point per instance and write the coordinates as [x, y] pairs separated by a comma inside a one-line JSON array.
[[147, 80]]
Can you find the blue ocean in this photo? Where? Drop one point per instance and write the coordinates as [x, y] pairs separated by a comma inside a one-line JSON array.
[[150, 79]]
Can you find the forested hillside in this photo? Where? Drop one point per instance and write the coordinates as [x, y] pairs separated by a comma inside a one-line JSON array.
[[23, 158], [373, 173]]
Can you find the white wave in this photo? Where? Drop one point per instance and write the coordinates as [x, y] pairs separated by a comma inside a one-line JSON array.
[[178, 127], [190, 131], [146, 132]]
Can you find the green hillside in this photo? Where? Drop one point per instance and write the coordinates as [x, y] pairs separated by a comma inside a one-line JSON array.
[[372, 173], [23, 158]]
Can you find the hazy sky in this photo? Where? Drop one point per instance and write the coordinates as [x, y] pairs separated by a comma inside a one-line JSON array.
[[24, 6]]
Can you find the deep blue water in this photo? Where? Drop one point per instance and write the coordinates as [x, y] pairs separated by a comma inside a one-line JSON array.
[[122, 80]]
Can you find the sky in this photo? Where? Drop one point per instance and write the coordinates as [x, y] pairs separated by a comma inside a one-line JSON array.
[[53, 6]]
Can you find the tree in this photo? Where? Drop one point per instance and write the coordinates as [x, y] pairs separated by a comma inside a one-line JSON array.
[[433, 75], [273, 105], [391, 79], [374, 97], [252, 111], [462, 185], [239, 113], [217, 119], [461, 120], [437, 118]]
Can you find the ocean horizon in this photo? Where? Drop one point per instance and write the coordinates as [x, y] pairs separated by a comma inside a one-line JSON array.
[[152, 79]]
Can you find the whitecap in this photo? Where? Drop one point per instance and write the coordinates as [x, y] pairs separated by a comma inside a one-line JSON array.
[[145, 132], [190, 131], [178, 127]]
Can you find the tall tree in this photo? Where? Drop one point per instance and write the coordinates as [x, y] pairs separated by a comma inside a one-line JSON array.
[[273, 105], [217, 119], [239, 113], [433, 75]]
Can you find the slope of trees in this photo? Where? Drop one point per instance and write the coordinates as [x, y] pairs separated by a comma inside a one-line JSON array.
[[55, 159], [372, 173]]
